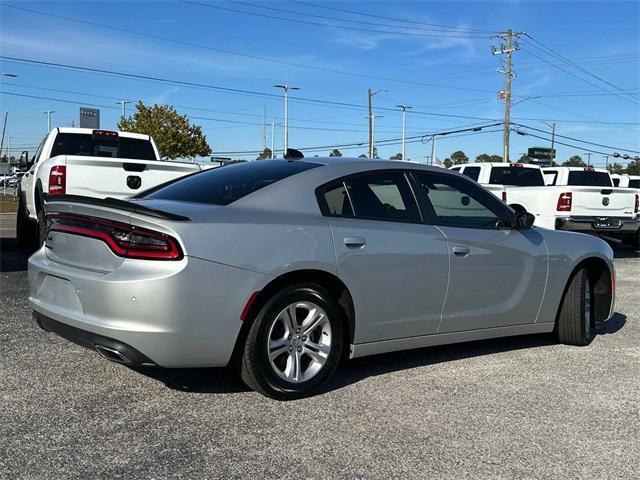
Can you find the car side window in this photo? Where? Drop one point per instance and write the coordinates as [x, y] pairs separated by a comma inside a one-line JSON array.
[[383, 195], [335, 201], [459, 203]]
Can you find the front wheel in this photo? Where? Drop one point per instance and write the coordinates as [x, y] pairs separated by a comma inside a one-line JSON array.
[[294, 344], [576, 320]]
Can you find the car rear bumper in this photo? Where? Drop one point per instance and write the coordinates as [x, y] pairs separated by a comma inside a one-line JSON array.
[[172, 314], [599, 225]]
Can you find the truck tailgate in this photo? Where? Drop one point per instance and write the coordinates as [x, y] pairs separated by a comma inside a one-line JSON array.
[[602, 201], [119, 177]]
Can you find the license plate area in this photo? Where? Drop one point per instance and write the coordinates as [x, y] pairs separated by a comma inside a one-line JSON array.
[[607, 223]]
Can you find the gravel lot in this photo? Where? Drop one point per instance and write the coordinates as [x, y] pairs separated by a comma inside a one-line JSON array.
[[515, 408]]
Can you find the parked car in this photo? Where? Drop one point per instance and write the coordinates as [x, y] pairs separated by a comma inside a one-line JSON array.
[[285, 267], [588, 202], [14, 180], [93, 163]]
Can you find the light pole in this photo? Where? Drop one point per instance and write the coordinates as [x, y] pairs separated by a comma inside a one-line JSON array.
[[372, 119], [48, 113], [404, 125], [286, 87], [124, 104]]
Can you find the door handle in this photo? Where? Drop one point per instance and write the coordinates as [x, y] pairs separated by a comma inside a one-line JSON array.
[[461, 250], [355, 242]]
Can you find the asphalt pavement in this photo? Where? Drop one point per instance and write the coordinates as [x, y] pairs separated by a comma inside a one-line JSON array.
[[522, 407]]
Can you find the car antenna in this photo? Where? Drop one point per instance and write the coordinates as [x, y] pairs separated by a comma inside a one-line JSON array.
[[293, 154]]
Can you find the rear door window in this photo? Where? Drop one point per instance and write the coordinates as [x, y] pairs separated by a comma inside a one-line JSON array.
[[516, 176], [589, 178], [634, 183], [472, 172]]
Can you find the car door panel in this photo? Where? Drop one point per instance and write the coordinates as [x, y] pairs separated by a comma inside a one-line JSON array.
[[397, 279]]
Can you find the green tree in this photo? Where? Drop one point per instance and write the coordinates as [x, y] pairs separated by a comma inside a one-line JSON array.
[[447, 163], [483, 157], [174, 135], [335, 153], [525, 159], [266, 153], [633, 167], [459, 158], [397, 156], [575, 161], [616, 168]]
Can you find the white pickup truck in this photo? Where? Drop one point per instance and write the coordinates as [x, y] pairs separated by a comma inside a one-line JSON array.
[[626, 181], [91, 163], [563, 198]]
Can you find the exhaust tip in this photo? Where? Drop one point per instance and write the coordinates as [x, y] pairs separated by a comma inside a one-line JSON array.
[[112, 354]]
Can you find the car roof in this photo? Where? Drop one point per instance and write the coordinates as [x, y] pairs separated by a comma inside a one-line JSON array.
[[367, 163]]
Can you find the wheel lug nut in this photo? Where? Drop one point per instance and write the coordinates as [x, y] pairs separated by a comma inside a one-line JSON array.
[[299, 349], [291, 349], [297, 330], [304, 338]]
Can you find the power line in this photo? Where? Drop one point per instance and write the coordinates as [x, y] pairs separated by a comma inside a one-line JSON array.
[[325, 25], [573, 64], [447, 29], [240, 54], [371, 15]]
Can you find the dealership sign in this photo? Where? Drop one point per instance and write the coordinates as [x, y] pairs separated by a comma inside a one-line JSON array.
[[541, 153], [89, 118]]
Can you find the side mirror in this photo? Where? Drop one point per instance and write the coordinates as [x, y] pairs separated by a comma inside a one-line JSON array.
[[524, 219], [24, 160]]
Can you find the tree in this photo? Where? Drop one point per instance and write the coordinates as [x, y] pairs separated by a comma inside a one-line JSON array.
[[266, 153], [362, 155], [335, 153], [483, 157], [495, 158], [575, 161], [525, 159], [397, 156], [447, 163], [633, 167], [174, 135], [616, 168], [459, 158]]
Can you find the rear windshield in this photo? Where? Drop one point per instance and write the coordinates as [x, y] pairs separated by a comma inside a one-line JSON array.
[[119, 147], [518, 176], [472, 172], [224, 185], [590, 179], [634, 183]]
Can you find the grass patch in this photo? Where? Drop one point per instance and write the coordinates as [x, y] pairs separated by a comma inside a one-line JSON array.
[[8, 204]]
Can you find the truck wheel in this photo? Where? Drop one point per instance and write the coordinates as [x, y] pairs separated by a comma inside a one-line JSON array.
[[25, 227], [41, 228], [576, 320], [295, 343]]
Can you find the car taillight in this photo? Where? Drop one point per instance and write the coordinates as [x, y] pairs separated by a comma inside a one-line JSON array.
[[58, 180], [637, 209], [504, 197], [124, 240], [564, 202]]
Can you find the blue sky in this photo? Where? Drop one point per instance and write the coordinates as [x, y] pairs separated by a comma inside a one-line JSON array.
[[440, 71]]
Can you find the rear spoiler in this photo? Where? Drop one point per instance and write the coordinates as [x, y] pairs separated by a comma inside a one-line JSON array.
[[117, 204]]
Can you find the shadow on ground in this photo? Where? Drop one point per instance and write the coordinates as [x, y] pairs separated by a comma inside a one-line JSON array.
[[226, 380]]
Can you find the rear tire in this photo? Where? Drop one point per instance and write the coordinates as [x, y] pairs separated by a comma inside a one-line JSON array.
[[576, 318], [25, 227], [41, 228], [285, 359]]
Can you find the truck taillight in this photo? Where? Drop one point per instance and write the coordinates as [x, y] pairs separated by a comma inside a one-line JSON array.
[[564, 202], [504, 196], [58, 180], [637, 209], [124, 240]]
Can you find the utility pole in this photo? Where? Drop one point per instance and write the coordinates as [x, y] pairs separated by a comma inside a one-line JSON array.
[[433, 149], [372, 129], [606, 161], [553, 143], [588, 154], [273, 137], [286, 88], [404, 126], [510, 46], [48, 113], [124, 104], [264, 128], [371, 119], [4, 127]]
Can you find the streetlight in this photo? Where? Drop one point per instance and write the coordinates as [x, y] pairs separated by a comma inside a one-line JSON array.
[[48, 114], [124, 104], [372, 119], [404, 124], [286, 89]]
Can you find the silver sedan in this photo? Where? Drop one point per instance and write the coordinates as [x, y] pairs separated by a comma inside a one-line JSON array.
[[284, 268]]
